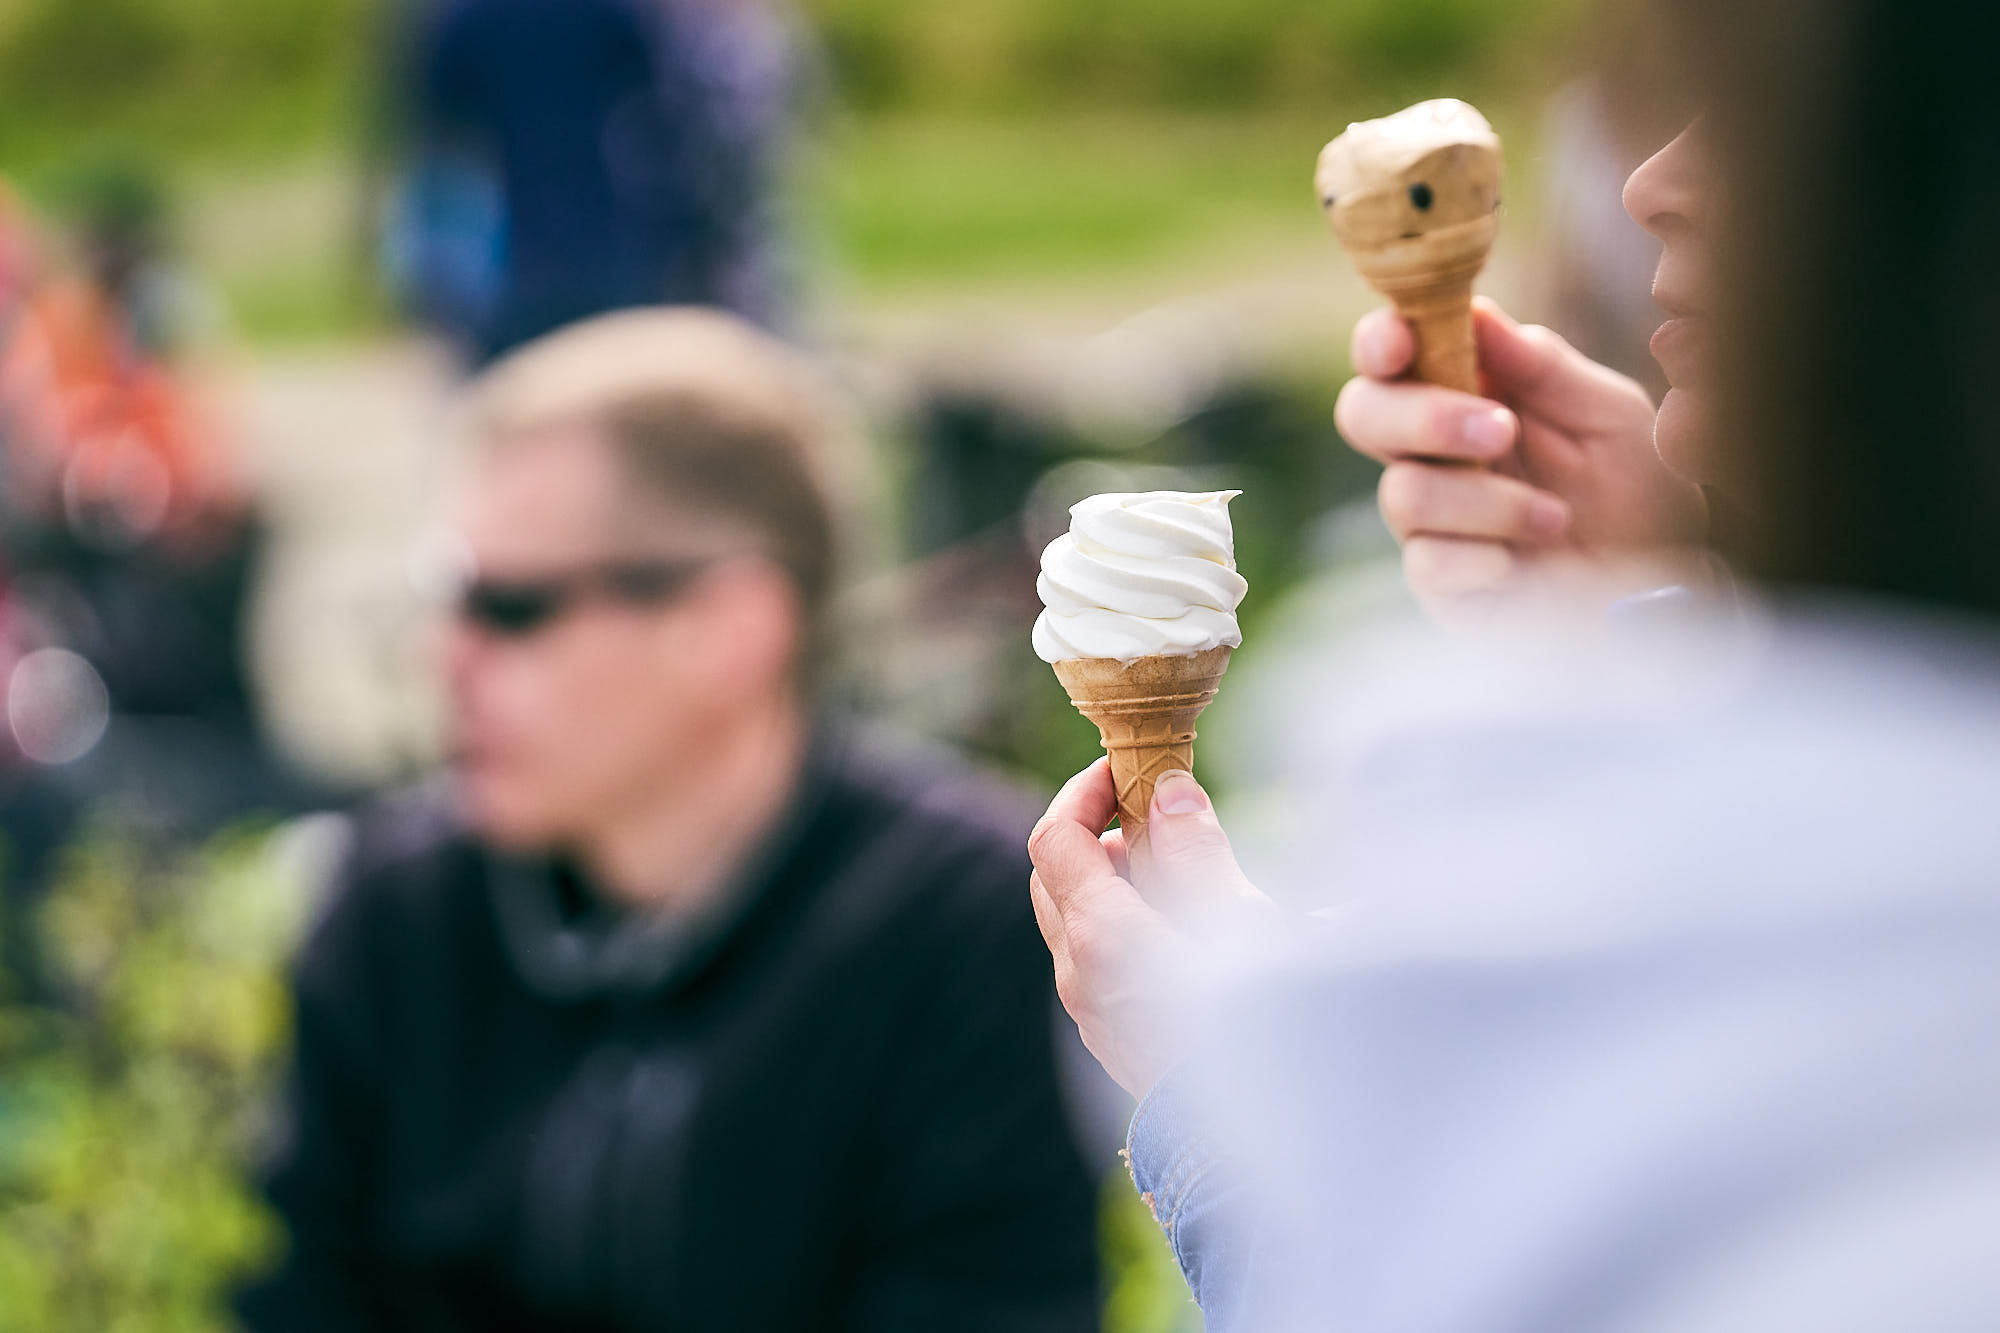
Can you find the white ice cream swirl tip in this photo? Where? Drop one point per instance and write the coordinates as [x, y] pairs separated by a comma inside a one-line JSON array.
[[1141, 575]]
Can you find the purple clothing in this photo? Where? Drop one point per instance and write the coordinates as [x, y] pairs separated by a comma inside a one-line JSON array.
[[628, 153]]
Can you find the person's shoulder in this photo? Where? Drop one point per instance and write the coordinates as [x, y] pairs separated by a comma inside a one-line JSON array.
[[403, 862], [927, 790], [948, 838]]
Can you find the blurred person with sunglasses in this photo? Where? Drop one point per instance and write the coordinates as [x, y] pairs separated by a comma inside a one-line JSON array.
[[697, 1011]]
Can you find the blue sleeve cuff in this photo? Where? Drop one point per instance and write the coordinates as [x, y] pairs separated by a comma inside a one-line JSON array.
[[1174, 1165], [1163, 1152]]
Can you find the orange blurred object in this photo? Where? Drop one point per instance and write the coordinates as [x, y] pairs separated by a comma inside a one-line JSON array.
[[132, 440]]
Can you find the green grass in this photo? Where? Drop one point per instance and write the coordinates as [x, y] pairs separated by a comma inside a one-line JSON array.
[[888, 202], [938, 198], [288, 247], [889, 205]]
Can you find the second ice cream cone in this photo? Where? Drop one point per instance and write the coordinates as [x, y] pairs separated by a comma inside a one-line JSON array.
[[1415, 199], [1429, 281], [1145, 712]]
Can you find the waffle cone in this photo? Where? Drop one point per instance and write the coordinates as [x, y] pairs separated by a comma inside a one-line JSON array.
[[1145, 712], [1429, 279]]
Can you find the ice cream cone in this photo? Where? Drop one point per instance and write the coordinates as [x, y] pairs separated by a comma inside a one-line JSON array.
[[1145, 712], [1429, 281], [1414, 199]]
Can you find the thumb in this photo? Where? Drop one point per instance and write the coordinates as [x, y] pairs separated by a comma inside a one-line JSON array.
[[1190, 862], [1536, 372]]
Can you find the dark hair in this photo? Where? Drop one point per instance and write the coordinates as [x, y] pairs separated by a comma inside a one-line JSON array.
[[1860, 255]]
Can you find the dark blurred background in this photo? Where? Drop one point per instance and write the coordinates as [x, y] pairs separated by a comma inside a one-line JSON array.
[[247, 252]]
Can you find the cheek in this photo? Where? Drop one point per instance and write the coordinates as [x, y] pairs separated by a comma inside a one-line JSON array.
[[552, 700], [626, 697]]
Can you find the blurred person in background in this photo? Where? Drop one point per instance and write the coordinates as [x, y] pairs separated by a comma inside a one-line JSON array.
[[126, 523], [126, 519], [693, 1010], [1663, 988], [138, 451], [578, 156]]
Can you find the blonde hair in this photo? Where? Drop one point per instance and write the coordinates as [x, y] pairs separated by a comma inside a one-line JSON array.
[[703, 411]]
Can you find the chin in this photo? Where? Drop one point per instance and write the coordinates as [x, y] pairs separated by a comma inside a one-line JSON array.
[[499, 815], [1681, 436]]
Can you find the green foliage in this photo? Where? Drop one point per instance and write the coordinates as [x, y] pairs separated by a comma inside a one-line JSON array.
[[1147, 1293], [225, 76], [1003, 137], [179, 77], [1017, 54], [129, 1106], [926, 197]]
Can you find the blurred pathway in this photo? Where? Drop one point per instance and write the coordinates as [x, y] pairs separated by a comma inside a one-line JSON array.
[[344, 450]]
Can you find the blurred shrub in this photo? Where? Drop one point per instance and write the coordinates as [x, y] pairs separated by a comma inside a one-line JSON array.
[[1146, 1291], [128, 1107], [179, 75]]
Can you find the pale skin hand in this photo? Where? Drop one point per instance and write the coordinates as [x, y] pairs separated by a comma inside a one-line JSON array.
[[1568, 482], [1127, 964]]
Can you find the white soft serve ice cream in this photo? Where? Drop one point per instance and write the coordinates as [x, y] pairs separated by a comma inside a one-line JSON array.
[[1145, 575]]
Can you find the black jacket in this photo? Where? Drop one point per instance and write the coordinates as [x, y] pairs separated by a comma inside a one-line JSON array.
[[836, 1108]]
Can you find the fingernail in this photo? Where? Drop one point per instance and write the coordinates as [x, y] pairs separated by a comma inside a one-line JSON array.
[[1548, 515], [1177, 793], [1490, 432]]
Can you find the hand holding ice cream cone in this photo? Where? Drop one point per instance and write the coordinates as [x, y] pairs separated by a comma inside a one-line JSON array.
[[1140, 597], [1414, 199]]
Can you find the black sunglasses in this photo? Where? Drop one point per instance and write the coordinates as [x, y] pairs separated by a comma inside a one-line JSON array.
[[517, 608]]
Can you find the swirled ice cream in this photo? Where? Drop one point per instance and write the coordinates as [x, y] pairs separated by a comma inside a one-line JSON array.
[[1141, 575]]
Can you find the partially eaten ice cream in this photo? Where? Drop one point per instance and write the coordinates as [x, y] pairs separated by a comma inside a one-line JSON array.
[[1151, 574]]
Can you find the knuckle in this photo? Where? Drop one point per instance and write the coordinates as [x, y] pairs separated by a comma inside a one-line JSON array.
[[1038, 898], [1089, 951], [1519, 503], [1549, 354], [1423, 562], [1545, 339], [1453, 567], [1050, 940], [1350, 415], [1435, 565], [1403, 495], [1444, 425], [1068, 991], [1039, 838]]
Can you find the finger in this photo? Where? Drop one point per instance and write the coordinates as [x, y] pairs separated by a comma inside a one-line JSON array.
[[1067, 989], [1189, 862], [1089, 798], [1541, 375], [1114, 847], [1453, 501], [1050, 921], [1383, 346], [1408, 420], [1453, 567], [1074, 866]]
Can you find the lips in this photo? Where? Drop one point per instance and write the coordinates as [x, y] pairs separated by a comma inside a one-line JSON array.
[[1681, 344], [1681, 347]]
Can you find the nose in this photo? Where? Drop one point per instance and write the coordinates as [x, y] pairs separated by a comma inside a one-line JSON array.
[[1664, 195]]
